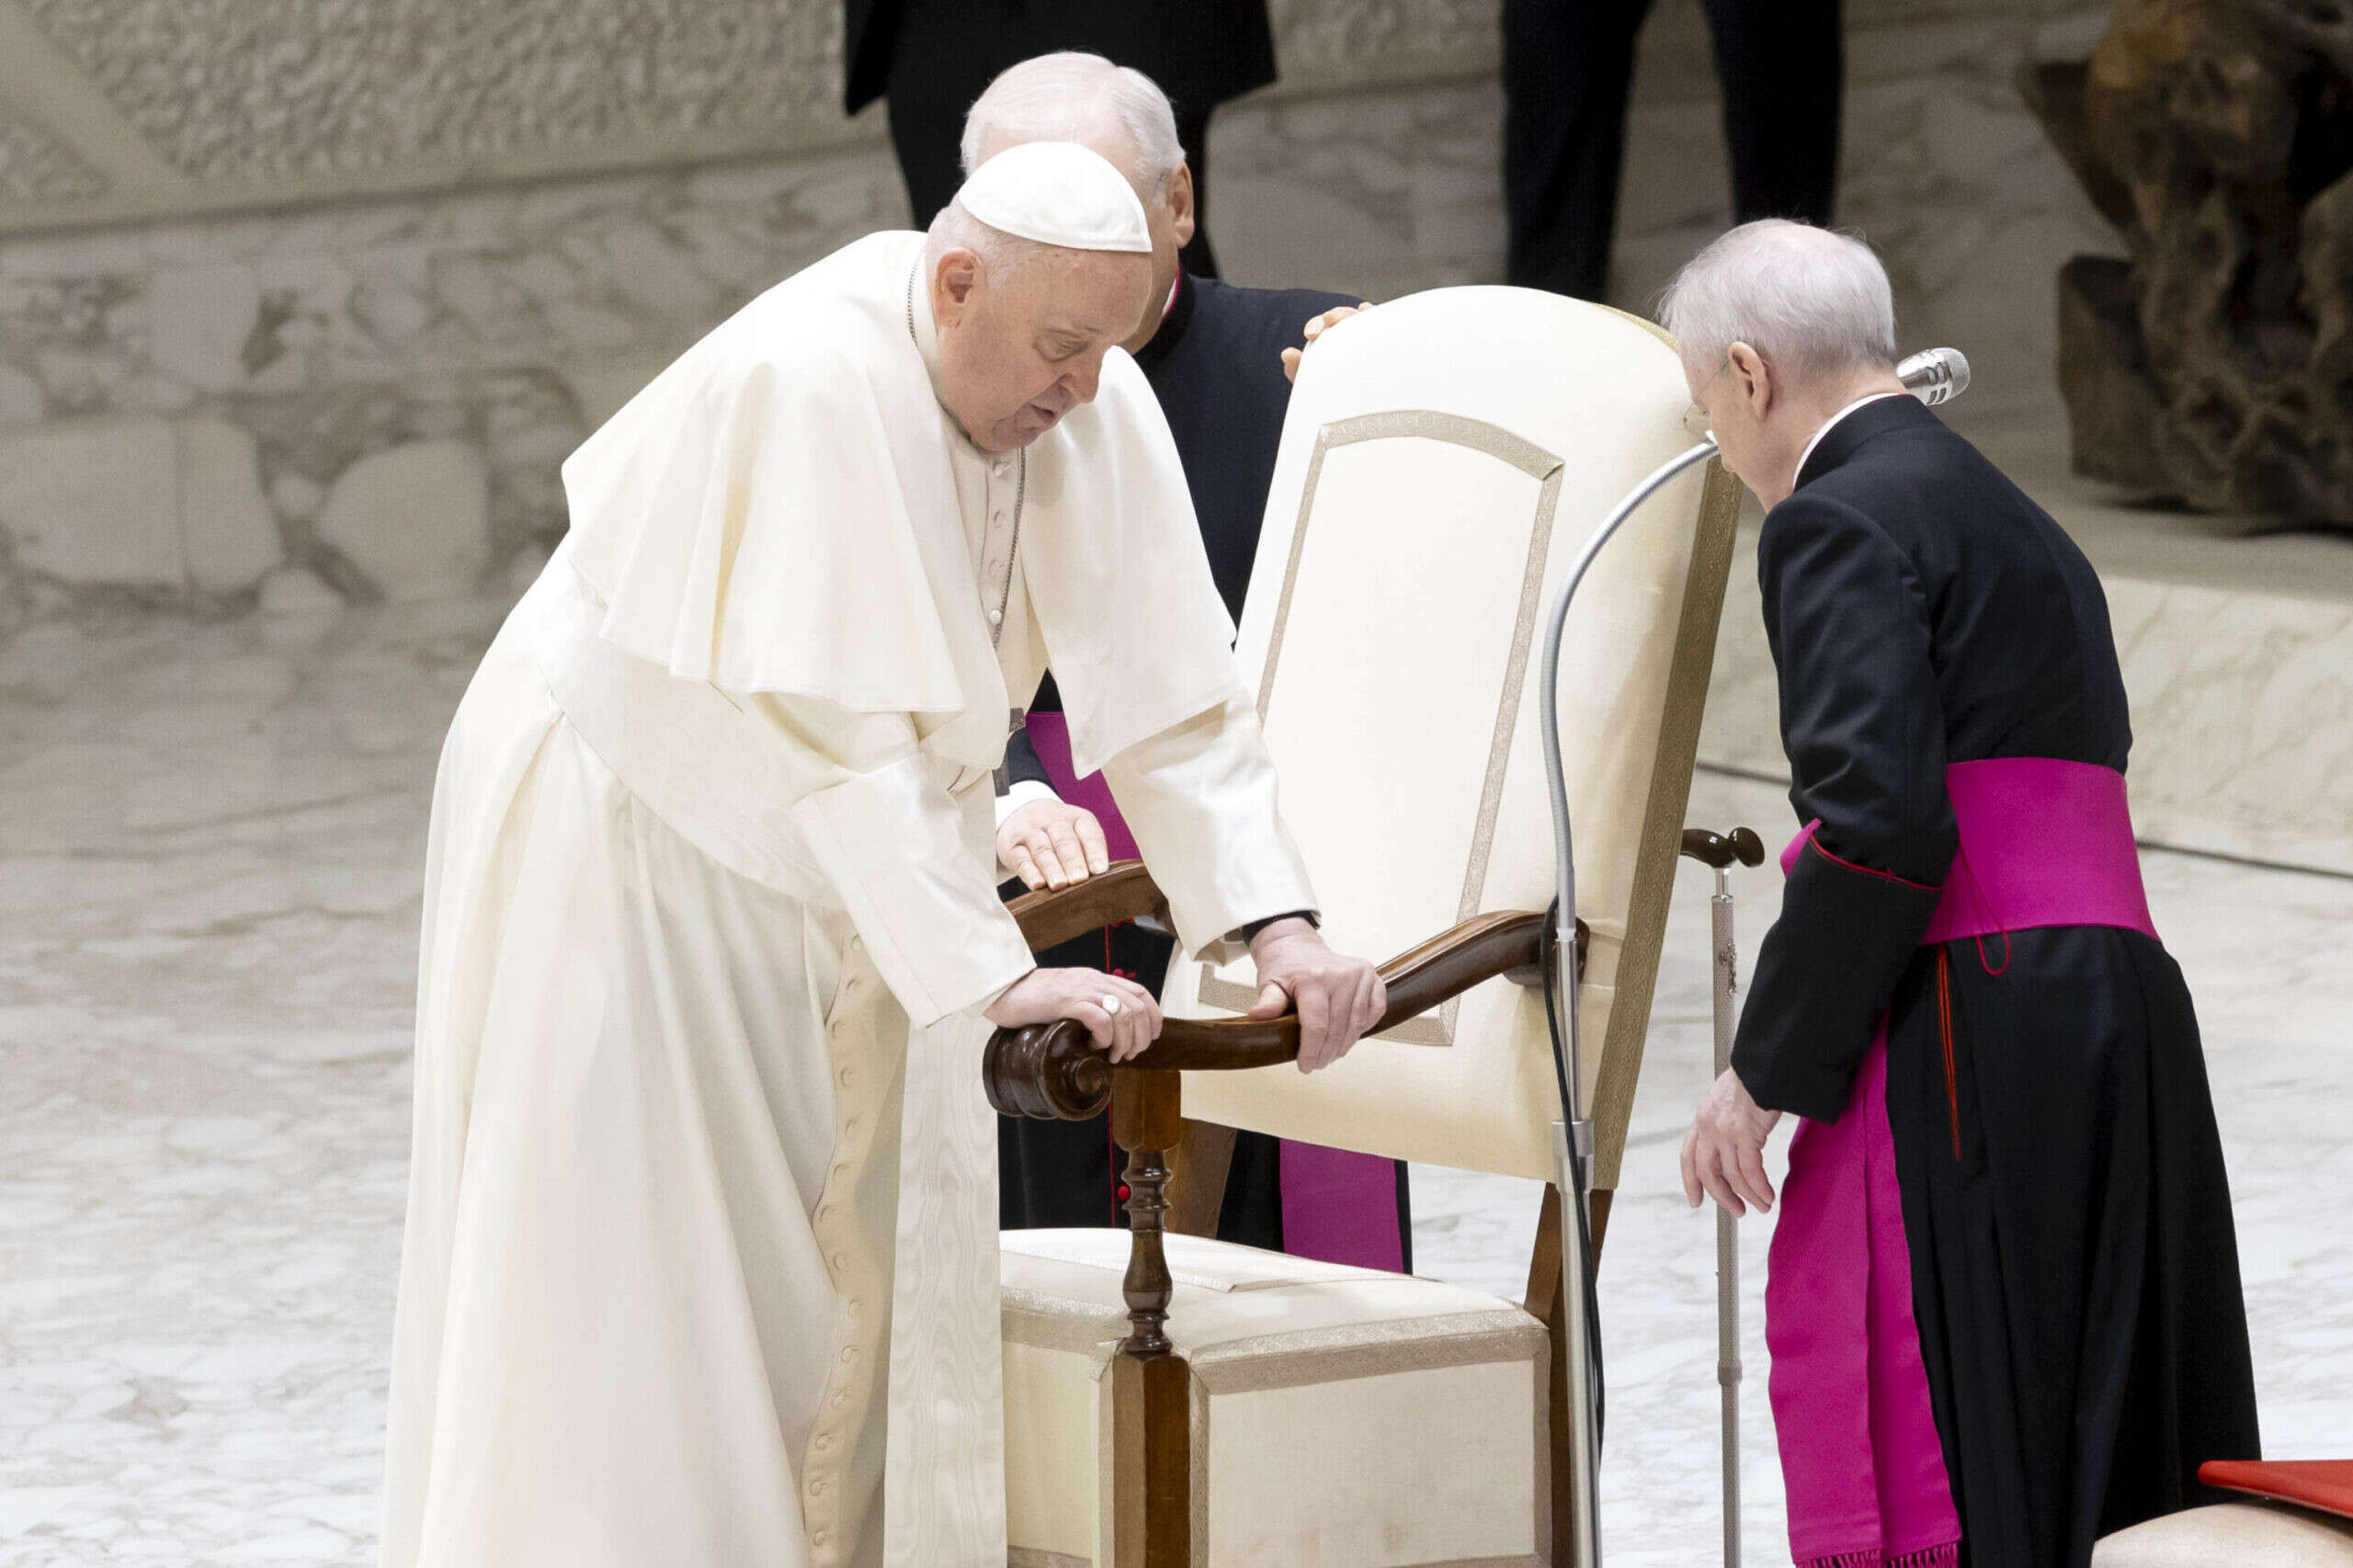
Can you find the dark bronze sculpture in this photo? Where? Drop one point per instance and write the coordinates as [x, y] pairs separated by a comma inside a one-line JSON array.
[[2215, 366]]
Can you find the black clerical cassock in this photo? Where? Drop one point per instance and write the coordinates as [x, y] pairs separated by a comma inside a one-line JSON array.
[[1964, 965], [1216, 363]]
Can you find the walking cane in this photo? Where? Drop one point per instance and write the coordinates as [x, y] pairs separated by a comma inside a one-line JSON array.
[[1718, 851]]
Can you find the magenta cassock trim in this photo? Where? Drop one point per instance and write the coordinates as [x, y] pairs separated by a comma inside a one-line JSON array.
[[2043, 843]]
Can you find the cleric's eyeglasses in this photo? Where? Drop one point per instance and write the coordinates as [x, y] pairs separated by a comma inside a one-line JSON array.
[[1695, 417]]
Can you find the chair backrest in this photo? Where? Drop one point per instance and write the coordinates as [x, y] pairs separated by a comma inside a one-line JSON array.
[[1444, 458]]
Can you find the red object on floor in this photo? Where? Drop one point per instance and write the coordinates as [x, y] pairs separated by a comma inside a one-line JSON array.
[[2326, 1484]]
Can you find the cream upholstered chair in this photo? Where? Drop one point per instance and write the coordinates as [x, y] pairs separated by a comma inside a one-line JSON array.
[[2300, 1514], [1190, 1403], [2236, 1535]]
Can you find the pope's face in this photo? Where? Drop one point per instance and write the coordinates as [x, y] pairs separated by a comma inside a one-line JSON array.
[[1018, 352]]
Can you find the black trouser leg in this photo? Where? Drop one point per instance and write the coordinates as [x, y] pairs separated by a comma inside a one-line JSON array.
[[924, 133], [1568, 65], [1783, 67]]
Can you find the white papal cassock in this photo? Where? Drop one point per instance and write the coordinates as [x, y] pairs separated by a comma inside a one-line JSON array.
[[700, 1262]]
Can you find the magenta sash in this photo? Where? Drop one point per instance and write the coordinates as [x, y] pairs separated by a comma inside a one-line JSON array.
[[1337, 1206], [2042, 842]]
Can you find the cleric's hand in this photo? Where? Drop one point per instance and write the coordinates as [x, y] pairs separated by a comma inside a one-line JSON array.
[[1724, 1151], [1338, 997], [1051, 844], [1315, 329], [1119, 1015]]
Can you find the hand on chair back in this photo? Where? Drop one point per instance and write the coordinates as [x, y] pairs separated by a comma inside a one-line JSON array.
[[1338, 998], [1315, 330]]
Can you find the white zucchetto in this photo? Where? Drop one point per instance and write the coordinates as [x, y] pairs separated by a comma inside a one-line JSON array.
[[1058, 193]]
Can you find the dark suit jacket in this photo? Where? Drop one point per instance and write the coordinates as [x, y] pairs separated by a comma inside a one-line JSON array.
[[1201, 52]]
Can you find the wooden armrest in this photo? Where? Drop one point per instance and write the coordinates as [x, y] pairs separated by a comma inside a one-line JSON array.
[[1053, 1071], [1052, 916]]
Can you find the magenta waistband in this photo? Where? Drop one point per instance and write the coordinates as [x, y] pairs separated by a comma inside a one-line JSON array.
[[2043, 843]]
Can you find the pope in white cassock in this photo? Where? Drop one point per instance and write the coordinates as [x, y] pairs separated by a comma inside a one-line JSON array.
[[700, 1264]]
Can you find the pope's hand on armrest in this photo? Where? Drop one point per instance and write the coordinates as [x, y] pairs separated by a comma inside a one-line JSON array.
[[1121, 1017], [1338, 998]]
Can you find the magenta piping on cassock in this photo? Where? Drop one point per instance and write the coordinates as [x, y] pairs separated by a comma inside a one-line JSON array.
[[2042, 842]]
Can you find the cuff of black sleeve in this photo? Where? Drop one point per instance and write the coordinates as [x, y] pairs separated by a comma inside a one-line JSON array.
[[1250, 930], [1823, 976]]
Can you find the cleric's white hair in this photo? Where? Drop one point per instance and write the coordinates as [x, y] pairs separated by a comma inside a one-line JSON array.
[[1060, 98], [1809, 300]]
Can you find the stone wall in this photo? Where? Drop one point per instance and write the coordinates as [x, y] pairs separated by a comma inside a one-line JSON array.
[[368, 397], [365, 400]]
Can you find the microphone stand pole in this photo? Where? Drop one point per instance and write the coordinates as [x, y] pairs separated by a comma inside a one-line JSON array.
[[1573, 1134]]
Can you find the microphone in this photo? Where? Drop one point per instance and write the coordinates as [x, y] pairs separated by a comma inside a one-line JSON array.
[[1935, 375]]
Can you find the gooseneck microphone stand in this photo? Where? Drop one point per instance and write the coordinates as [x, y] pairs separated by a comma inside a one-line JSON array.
[[1934, 375]]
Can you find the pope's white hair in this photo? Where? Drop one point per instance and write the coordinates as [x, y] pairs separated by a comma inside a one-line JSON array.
[[1060, 98], [1002, 255], [1812, 302]]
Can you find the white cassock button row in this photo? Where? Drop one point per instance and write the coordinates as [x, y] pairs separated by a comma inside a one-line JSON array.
[[996, 618]]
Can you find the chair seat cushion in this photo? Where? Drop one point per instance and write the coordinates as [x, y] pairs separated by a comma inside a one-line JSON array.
[[2271, 1535], [1340, 1415]]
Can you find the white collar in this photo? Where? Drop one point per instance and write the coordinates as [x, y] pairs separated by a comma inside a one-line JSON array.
[[1807, 455], [921, 324]]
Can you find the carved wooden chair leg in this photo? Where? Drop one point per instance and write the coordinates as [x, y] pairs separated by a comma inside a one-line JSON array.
[[1152, 1396]]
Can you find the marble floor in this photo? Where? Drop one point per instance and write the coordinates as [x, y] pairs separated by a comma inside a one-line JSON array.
[[210, 846]]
